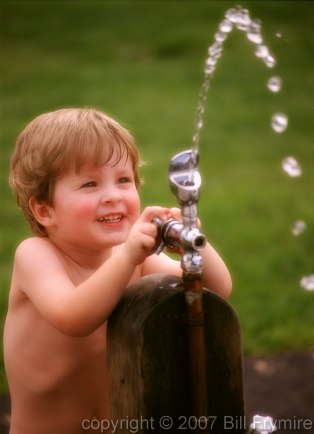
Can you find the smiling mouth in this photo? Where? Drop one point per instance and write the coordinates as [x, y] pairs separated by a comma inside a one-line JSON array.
[[113, 218]]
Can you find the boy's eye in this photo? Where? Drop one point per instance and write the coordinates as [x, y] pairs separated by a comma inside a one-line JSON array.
[[124, 179], [89, 184]]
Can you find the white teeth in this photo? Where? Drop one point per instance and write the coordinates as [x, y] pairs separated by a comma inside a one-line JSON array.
[[111, 218]]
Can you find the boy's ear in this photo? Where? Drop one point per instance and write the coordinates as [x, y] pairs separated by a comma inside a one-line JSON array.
[[41, 211]]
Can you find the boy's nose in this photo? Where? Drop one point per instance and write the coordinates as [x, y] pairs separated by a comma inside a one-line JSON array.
[[111, 195]]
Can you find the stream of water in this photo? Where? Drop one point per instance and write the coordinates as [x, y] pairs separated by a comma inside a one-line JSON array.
[[239, 18]]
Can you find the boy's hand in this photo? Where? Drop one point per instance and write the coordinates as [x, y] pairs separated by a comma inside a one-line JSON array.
[[142, 237]]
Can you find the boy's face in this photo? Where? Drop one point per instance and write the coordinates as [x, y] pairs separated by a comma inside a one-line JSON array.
[[96, 207]]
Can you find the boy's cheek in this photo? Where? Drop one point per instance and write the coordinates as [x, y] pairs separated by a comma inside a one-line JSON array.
[[84, 209], [135, 207]]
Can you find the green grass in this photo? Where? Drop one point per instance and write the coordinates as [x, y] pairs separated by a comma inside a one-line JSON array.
[[142, 61]]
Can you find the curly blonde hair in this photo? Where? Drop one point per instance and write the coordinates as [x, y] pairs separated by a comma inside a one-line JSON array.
[[55, 142]]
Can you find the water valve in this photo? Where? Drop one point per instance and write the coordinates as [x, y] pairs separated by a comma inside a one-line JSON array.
[[185, 183]]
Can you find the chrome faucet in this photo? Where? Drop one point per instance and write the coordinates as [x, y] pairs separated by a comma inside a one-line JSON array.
[[185, 183]]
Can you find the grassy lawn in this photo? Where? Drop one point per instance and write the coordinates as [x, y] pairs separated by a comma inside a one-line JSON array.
[[142, 62]]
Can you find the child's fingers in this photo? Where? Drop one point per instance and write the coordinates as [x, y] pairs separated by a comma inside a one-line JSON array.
[[155, 211], [175, 213]]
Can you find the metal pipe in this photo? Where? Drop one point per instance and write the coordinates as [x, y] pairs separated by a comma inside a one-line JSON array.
[[185, 182], [192, 284]]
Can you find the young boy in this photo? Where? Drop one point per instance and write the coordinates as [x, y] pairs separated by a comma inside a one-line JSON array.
[[74, 173]]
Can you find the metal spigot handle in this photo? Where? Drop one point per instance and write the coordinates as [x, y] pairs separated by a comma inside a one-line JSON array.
[[184, 177], [171, 234], [185, 183]]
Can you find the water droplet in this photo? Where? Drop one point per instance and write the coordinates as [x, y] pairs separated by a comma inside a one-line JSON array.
[[220, 36], [225, 26], [261, 51], [279, 122], [274, 84], [263, 424], [215, 50], [243, 20], [298, 227], [211, 61], [209, 69], [255, 38], [307, 282], [199, 124], [210, 65], [269, 61], [232, 15], [254, 32], [291, 167]]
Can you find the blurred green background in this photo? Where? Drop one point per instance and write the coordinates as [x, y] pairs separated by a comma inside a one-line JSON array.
[[142, 62]]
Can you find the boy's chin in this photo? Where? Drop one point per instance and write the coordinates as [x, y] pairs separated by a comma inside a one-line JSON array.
[[114, 241]]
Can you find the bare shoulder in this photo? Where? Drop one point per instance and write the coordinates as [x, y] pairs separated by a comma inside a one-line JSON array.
[[34, 248], [36, 260], [33, 243]]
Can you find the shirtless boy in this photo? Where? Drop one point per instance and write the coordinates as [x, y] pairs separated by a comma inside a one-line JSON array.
[[74, 173]]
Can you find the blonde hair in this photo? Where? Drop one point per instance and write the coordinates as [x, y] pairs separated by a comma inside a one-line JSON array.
[[54, 142]]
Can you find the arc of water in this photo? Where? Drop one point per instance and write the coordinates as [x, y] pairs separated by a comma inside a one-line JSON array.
[[240, 19]]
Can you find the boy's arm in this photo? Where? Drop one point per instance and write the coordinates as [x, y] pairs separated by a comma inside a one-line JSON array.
[[73, 310], [79, 310], [215, 276]]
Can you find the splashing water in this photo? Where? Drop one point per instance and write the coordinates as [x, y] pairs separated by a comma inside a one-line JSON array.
[[291, 167], [262, 424], [298, 227], [274, 84], [240, 19], [307, 282], [279, 122]]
